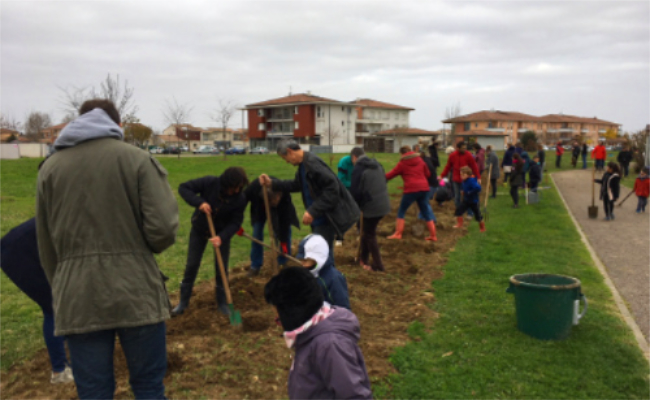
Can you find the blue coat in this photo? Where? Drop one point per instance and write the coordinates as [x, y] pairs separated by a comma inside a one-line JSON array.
[[507, 157], [333, 285], [471, 190]]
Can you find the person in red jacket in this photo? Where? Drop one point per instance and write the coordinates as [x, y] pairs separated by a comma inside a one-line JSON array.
[[457, 160], [600, 154], [559, 150], [642, 189], [414, 173]]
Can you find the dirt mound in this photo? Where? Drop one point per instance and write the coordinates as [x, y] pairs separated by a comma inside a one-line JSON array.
[[209, 358]]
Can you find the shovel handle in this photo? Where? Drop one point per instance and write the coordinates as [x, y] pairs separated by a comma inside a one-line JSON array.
[[217, 253], [628, 195], [267, 209], [247, 236]]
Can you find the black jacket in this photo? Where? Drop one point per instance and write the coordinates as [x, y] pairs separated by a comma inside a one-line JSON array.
[[517, 175], [585, 150], [624, 157], [330, 197], [609, 182], [369, 188], [227, 211], [576, 151], [535, 172], [284, 215], [433, 178], [433, 153], [542, 156]]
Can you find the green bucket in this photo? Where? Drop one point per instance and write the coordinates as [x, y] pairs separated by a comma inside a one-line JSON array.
[[547, 306]]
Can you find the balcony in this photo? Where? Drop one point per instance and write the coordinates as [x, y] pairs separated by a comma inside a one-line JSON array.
[[602, 131], [584, 131], [496, 130], [279, 134], [565, 130], [280, 118]]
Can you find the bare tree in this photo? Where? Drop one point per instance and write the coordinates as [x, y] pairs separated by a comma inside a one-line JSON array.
[[222, 116], [35, 123], [452, 112], [176, 114], [137, 133], [10, 122], [110, 88]]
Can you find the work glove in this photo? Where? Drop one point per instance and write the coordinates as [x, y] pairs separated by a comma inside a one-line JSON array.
[[240, 232], [285, 250]]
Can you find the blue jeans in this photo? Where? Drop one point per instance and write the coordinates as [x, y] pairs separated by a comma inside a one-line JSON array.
[[432, 192], [458, 188], [257, 251], [421, 199], [55, 344], [641, 204], [146, 357], [584, 161]]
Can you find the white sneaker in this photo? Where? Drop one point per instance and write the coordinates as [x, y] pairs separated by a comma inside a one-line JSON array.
[[62, 377]]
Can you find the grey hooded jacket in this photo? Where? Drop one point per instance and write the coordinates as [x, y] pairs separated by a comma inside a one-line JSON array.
[[103, 208], [328, 363], [369, 188]]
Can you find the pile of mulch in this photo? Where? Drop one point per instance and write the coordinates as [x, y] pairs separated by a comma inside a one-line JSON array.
[[209, 358]]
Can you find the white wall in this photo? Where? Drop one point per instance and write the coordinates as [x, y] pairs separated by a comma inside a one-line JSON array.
[[343, 124], [33, 150], [9, 151], [388, 118]]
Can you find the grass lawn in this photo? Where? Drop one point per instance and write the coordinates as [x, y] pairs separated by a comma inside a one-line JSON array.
[[489, 357]]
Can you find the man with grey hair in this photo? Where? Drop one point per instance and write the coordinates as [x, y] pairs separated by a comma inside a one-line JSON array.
[[330, 209]]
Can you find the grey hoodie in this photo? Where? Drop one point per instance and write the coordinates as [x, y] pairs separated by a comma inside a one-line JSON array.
[[328, 363], [94, 124]]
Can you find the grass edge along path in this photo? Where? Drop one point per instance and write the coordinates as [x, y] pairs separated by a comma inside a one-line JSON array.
[[474, 349]]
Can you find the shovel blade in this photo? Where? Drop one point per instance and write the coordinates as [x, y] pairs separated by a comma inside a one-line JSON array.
[[235, 316]]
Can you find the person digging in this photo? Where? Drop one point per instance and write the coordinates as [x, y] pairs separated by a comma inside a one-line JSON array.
[[283, 216], [220, 197]]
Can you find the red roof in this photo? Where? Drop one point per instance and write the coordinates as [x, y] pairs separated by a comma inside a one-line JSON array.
[[479, 132], [573, 118], [407, 132], [294, 99], [492, 116], [379, 104]]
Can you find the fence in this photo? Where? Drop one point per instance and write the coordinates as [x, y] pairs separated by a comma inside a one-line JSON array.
[[12, 151], [9, 151]]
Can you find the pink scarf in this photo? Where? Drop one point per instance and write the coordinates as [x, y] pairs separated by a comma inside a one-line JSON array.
[[325, 311]]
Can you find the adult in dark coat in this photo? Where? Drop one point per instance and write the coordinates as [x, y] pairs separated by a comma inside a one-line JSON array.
[[535, 173], [516, 179], [506, 163], [21, 263], [283, 216], [583, 153], [575, 153], [625, 158], [329, 206], [433, 153], [221, 198], [370, 191], [493, 161]]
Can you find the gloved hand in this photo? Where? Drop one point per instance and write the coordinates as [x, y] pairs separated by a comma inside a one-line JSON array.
[[240, 232], [285, 250]]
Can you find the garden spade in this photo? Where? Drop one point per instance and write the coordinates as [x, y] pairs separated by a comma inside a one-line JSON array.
[[593, 209], [269, 219], [623, 201], [235, 316]]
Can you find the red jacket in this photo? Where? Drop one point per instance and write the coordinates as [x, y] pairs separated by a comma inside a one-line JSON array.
[[414, 172], [642, 186], [457, 161], [599, 153], [559, 150]]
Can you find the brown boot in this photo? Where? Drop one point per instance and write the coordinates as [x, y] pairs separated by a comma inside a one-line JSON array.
[[459, 222], [399, 229]]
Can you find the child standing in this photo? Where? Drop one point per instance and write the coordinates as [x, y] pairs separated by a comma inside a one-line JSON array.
[[535, 173], [610, 189], [642, 189], [516, 179], [471, 190]]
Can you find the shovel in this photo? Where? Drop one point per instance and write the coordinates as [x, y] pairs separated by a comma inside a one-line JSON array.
[[249, 237], [487, 194], [417, 228], [593, 210], [235, 316], [623, 201], [267, 208]]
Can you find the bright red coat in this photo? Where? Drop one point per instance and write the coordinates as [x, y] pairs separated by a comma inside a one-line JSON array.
[[414, 172], [457, 161], [642, 187], [559, 150], [599, 153]]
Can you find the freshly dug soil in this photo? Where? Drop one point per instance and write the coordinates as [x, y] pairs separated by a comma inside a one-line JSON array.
[[209, 358]]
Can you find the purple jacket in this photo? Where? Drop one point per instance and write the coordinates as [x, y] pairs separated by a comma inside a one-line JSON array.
[[328, 363]]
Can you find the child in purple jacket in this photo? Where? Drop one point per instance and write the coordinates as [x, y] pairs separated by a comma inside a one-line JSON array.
[[328, 363]]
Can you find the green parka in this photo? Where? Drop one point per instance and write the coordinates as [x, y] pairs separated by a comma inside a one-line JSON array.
[[103, 208]]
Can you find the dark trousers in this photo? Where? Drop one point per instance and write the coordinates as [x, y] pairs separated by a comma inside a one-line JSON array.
[[600, 165], [558, 161], [328, 232], [642, 203], [493, 183], [466, 205], [146, 357], [369, 245], [458, 188], [533, 185], [514, 193], [584, 161], [195, 251], [55, 344], [626, 169], [608, 206], [257, 251]]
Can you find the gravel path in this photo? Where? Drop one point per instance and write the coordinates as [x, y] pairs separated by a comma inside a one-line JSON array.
[[623, 245]]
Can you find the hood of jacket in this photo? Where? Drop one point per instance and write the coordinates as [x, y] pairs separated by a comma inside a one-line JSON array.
[[643, 178], [367, 162], [411, 158], [342, 321], [92, 125]]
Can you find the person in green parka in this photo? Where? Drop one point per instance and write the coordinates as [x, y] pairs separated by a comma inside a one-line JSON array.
[[345, 167]]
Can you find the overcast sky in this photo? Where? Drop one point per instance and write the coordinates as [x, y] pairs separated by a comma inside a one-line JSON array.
[[577, 57]]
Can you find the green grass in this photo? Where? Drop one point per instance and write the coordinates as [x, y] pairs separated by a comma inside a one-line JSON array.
[[491, 358]]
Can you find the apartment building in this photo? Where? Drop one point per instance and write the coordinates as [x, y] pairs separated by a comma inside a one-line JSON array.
[[312, 119], [550, 128]]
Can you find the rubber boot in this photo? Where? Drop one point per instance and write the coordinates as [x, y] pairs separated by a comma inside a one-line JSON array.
[[432, 231], [482, 225], [222, 304], [186, 294], [459, 222], [399, 229]]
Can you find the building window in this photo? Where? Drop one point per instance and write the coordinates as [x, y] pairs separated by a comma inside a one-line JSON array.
[[467, 126], [260, 126], [342, 123], [260, 113], [295, 110], [476, 125], [296, 126]]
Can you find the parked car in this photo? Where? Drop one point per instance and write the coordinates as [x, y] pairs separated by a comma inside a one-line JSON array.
[[185, 149], [155, 150], [206, 150], [236, 150], [260, 150], [171, 150]]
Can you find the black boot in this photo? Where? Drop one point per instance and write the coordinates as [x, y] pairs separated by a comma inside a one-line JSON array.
[[186, 293], [222, 304]]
